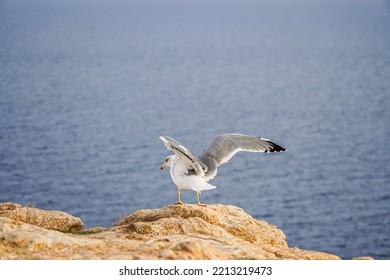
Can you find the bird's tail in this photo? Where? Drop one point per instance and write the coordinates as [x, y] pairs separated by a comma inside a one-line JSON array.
[[208, 186]]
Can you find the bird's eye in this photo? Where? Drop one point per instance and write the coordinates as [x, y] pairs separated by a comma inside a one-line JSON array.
[[166, 160]]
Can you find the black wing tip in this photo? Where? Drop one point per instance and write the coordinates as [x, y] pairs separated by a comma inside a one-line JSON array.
[[275, 148], [278, 149]]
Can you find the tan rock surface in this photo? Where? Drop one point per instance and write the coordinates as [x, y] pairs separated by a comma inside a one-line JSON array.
[[220, 221], [172, 232], [49, 219], [363, 258]]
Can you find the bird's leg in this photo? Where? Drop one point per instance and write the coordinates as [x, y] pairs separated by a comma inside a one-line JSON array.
[[197, 197], [178, 198]]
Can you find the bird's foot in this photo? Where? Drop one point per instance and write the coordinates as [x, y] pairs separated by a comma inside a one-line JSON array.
[[201, 204], [197, 198], [179, 203]]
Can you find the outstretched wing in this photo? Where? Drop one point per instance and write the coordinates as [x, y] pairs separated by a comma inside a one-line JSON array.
[[225, 146], [182, 152]]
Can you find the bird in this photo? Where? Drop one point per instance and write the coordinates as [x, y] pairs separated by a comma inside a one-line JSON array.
[[193, 173]]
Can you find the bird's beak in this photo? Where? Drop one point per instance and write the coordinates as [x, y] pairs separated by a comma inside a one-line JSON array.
[[163, 166]]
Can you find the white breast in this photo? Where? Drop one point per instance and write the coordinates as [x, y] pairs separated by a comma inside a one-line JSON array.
[[183, 181], [178, 174]]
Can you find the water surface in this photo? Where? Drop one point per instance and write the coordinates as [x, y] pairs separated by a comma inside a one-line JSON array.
[[86, 88]]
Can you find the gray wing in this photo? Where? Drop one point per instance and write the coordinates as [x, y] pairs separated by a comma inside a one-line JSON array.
[[192, 162], [225, 146]]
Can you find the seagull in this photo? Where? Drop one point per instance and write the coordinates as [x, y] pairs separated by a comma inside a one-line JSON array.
[[193, 173]]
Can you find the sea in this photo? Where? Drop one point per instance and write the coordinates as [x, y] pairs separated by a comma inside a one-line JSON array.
[[88, 86]]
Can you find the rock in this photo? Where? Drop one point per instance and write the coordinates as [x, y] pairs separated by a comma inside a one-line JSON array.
[[8, 206], [20, 240], [363, 258], [49, 219], [172, 232], [219, 221], [92, 230]]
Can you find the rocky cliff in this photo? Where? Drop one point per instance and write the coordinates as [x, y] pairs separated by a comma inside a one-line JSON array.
[[173, 232]]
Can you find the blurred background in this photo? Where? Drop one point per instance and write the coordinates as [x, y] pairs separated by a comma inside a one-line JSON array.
[[86, 88]]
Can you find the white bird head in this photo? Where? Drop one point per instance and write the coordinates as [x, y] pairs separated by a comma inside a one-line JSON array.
[[167, 162]]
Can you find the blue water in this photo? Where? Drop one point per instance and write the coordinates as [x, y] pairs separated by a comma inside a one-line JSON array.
[[86, 88]]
